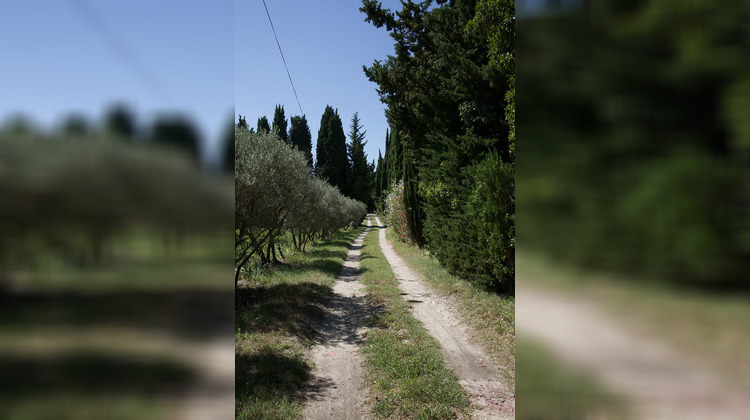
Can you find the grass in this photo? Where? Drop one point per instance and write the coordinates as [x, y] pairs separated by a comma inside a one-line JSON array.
[[707, 325], [132, 260], [406, 373], [275, 317], [491, 316], [551, 390]]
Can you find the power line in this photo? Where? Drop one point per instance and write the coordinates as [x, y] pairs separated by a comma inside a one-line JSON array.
[[116, 43], [282, 57]]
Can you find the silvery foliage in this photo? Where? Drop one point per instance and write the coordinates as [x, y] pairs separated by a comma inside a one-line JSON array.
[[275, 192]]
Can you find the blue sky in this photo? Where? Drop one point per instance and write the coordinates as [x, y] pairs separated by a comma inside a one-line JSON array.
[[66, 56], [200, 58], [325, 44]]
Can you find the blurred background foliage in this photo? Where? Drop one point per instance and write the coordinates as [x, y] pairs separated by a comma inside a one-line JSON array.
[[634, 151], [76, 191]]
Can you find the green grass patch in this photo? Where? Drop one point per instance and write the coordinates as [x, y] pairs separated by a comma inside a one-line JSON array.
[[552, 390], [130, 260], [491, 316], [276, 311], [406, 373]]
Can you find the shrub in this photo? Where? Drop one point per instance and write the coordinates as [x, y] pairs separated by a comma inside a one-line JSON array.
[[395, 212]]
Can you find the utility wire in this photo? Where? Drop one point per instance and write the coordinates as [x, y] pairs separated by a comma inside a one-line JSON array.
[[116, 43], [282, 57]]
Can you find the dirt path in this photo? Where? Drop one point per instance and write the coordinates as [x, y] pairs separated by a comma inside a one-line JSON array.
[[477, 374], [212, 397], [338, 390], [659, 382]]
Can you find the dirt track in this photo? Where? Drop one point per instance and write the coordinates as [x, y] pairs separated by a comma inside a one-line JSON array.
[[659, 382], [477, 374], [338, 390]]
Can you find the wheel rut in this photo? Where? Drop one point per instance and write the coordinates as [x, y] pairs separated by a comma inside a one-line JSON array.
[[338, 390], [479, 377]]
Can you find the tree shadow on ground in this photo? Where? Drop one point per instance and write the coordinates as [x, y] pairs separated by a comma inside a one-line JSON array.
[[90, 373], [267, 376], [324, 253], [192, 313], [290, 308]]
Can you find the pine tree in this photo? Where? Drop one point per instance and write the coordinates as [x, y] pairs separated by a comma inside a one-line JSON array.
[[280, 124], [300, 136], [263, 126], [360, 176]]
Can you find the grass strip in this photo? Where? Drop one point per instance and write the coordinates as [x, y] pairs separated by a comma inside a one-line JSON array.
[[491, 316], [406, 373], [275, 321], [552, 390]]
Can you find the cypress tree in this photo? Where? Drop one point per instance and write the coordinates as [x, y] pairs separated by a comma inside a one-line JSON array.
[[280, 124], [339, 158], [331, 158], [379, 177], [300, 136], [395, 160], [121, 121], [386, 162], [263, 125], [242, 123]]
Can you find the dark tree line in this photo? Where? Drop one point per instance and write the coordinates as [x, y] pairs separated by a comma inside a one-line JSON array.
[[343, 164], [449, 91], [170, 130]]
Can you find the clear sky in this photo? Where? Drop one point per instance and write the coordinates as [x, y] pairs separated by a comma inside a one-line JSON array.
[[66, 56], [325, 44]]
